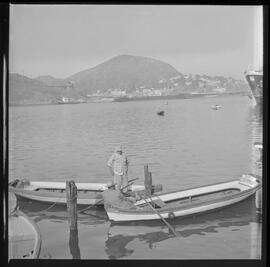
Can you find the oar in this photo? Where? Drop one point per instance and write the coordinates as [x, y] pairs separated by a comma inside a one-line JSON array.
[[95, 204], [129, 183], [168, 225]]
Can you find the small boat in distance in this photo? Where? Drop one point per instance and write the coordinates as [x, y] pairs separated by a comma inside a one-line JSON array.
[[55, 192], [24, 237], [181, 203], [161, 113], [216, 107], [67, 100]]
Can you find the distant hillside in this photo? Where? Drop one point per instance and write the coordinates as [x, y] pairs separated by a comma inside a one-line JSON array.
[[129, 75], [24, 90], [124, 72], [50, 80]]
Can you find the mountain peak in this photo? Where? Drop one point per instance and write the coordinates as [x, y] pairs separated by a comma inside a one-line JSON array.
[[124, 72]]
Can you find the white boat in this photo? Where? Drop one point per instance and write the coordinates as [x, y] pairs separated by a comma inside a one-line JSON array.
[[181, 203], [258, 145], [55, 192], [216, 107], [24, 238]]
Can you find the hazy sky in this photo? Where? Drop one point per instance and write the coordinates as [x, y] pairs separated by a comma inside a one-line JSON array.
[[60, 40]]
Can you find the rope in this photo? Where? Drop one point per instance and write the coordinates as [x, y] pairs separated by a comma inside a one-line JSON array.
[[53, 204], [90, 206], [49, 207]]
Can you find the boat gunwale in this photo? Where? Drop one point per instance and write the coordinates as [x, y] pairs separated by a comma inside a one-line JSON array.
[[45, 193], [208, 185], [59, 199], [34, 187]]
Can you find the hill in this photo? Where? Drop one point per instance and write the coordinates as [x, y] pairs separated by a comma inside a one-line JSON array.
[[123, 72], [50, 80], [24, 90]]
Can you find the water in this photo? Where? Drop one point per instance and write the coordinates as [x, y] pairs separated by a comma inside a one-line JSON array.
[[191, 145]]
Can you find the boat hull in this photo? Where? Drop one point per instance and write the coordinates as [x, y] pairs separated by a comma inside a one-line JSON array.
[[255, 82], [191, 207], [54, 192], [24, 237]]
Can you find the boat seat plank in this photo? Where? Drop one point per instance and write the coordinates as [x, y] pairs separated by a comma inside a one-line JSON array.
[[158, 202]]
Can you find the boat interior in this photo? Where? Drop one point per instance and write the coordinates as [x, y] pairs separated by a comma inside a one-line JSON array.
[[158, 203]]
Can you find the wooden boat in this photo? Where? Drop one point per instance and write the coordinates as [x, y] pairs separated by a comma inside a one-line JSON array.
[[55, 192], [24, 238], [183, 203]]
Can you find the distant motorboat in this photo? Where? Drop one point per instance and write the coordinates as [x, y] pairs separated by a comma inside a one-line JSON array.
[[161, 113], [216, 107], [66, 100]]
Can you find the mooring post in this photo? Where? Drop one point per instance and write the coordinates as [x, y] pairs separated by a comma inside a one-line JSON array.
[[71, 195], [147, 180], [150, 189]]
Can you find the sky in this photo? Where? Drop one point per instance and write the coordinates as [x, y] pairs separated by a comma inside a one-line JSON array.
[[61, 40]]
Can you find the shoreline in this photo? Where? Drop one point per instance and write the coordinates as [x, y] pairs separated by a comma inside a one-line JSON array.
[[142, 98]]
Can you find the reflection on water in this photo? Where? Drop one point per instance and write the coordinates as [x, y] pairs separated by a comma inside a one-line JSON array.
[[120, 235], [74, 244], [58, 213]]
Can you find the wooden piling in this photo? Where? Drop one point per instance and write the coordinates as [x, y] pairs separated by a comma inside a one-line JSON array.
[[71, 196], [150, 190]]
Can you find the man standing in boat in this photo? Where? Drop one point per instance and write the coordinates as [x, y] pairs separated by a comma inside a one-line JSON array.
[[118, 165]]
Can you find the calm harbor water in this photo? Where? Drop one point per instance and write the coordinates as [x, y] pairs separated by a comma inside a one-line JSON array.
[[191, 145]]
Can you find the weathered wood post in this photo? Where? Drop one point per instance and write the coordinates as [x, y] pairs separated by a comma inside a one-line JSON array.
[[151, 187], [71, 195], [147, 180]]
